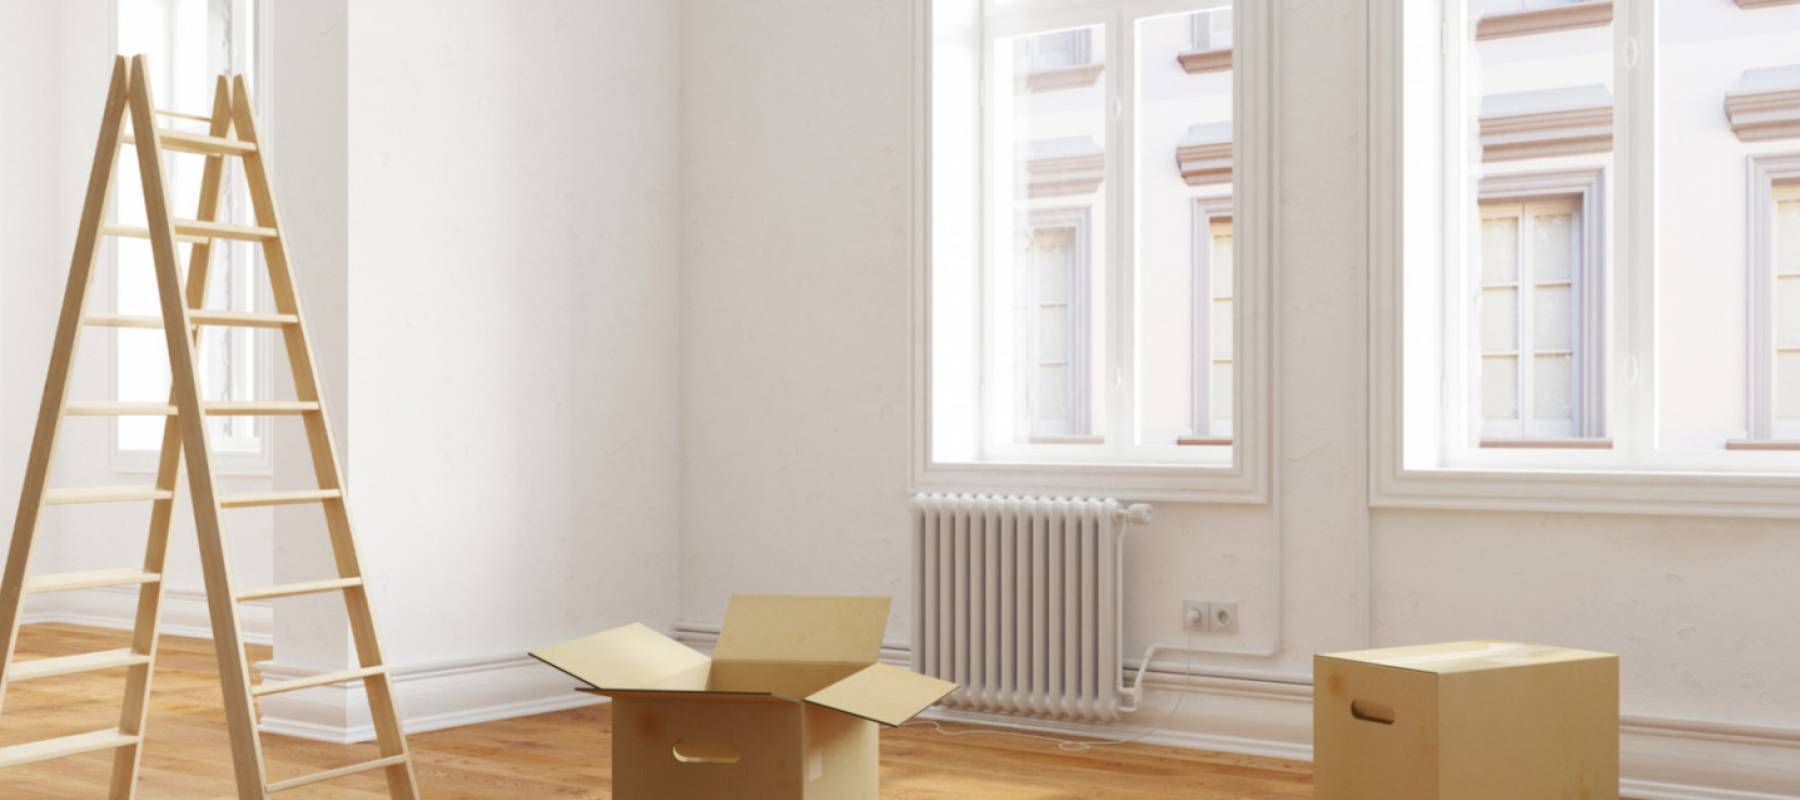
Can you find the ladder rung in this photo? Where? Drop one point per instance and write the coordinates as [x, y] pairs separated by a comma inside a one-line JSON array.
[[197, 143], [104, 494], [119, 410], [47, 749], [193, 231], [316, 680], [234, 318], [71, 665], [65, 581], [277, 498], [183, 115], [240, 319], [305, 780], [263, 409], [144, 233], [291, 589]]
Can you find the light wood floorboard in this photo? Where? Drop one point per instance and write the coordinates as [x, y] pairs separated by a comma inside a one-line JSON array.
[[561, 755]]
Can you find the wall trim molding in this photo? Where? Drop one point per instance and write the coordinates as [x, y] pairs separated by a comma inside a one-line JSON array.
[[1662, 758], [430, 697], [184, 612]]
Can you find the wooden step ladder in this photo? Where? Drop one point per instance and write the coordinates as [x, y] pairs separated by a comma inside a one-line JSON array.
[[185, 428]]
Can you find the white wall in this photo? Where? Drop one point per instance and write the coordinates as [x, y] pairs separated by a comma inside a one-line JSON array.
[[796, 201], [511, 317]]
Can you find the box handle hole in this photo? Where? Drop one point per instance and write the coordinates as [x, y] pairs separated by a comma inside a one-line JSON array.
[[705, 752], [1366, 711]]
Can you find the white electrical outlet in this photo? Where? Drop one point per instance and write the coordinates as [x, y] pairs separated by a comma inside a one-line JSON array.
[[1222, 617], [1196, 615]]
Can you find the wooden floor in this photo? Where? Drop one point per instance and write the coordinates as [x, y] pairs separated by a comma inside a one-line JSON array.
[[561, 755]]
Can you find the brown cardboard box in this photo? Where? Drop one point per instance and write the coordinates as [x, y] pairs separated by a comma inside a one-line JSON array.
[[788, 706], [1466, 721]]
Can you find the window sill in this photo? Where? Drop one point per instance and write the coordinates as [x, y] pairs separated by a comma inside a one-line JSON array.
[[1548, 20], [1763, 444], [1708, 494], [1076, 77], [1547, 444], [1200, 62], [1203, 441], [1183, 483]]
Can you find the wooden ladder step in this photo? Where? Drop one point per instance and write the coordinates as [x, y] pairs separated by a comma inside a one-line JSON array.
[[326, 679], [94, 579], [144, 233], [119, 410], [307, 780], [292, 589], [104, 494], [185, 142], [266, 408], [257, 499], [183, 115], [198, 317], [220, 409], [75, 664], [46, 749], [195, 231]]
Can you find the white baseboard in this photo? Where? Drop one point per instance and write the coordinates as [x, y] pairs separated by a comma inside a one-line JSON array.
[[430, 697], [184, 612], [1661, 758]]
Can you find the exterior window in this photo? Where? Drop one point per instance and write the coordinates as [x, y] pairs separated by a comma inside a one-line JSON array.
[[1212, 316], [187, 43], [1084, 268], [1589, 278], [1532, 348], [1774, 305]]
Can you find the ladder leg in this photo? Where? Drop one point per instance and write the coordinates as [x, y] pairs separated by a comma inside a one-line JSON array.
[[234, 674], [62, 355], [144, 631], [402, 782]]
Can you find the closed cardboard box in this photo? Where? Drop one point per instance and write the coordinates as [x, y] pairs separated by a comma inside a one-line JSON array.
[[1466, 721], [789, 706]]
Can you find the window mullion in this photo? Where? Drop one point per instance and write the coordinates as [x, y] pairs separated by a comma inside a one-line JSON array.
[[1635, 31], [1120, 379]]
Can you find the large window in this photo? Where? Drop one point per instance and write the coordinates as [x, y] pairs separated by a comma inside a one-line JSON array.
[[1087, 286], [1594, 210], [187, 43]]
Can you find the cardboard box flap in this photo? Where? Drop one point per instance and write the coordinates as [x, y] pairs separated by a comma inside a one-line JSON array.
[[630, 657], [842, 630], [883, 693], [1453, 657]]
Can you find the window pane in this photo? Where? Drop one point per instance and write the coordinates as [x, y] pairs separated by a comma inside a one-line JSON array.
[[1183, 254], [1500, 388], [1554, 326], [1053, 334], [1499, 320], [1499, 250], [1552, 246], [1787, 385], [1787, 311], [1552, 396], [1053, 399], [1787, 237]]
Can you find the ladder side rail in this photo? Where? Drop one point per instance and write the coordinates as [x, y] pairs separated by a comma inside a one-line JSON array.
[[62, 356], [234, 676], [134, 715], [383, 711]]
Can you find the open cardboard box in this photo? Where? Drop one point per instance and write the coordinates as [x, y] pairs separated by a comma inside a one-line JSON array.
[[789, 706]]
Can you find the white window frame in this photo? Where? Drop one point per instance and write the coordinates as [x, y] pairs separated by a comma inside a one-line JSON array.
[[1764, 429], [1587, 310], [1244, 478], [1205, 212], [253, 453], [1729, 484]]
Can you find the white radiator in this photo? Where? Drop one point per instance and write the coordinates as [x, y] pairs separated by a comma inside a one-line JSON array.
[[1017, 600]]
